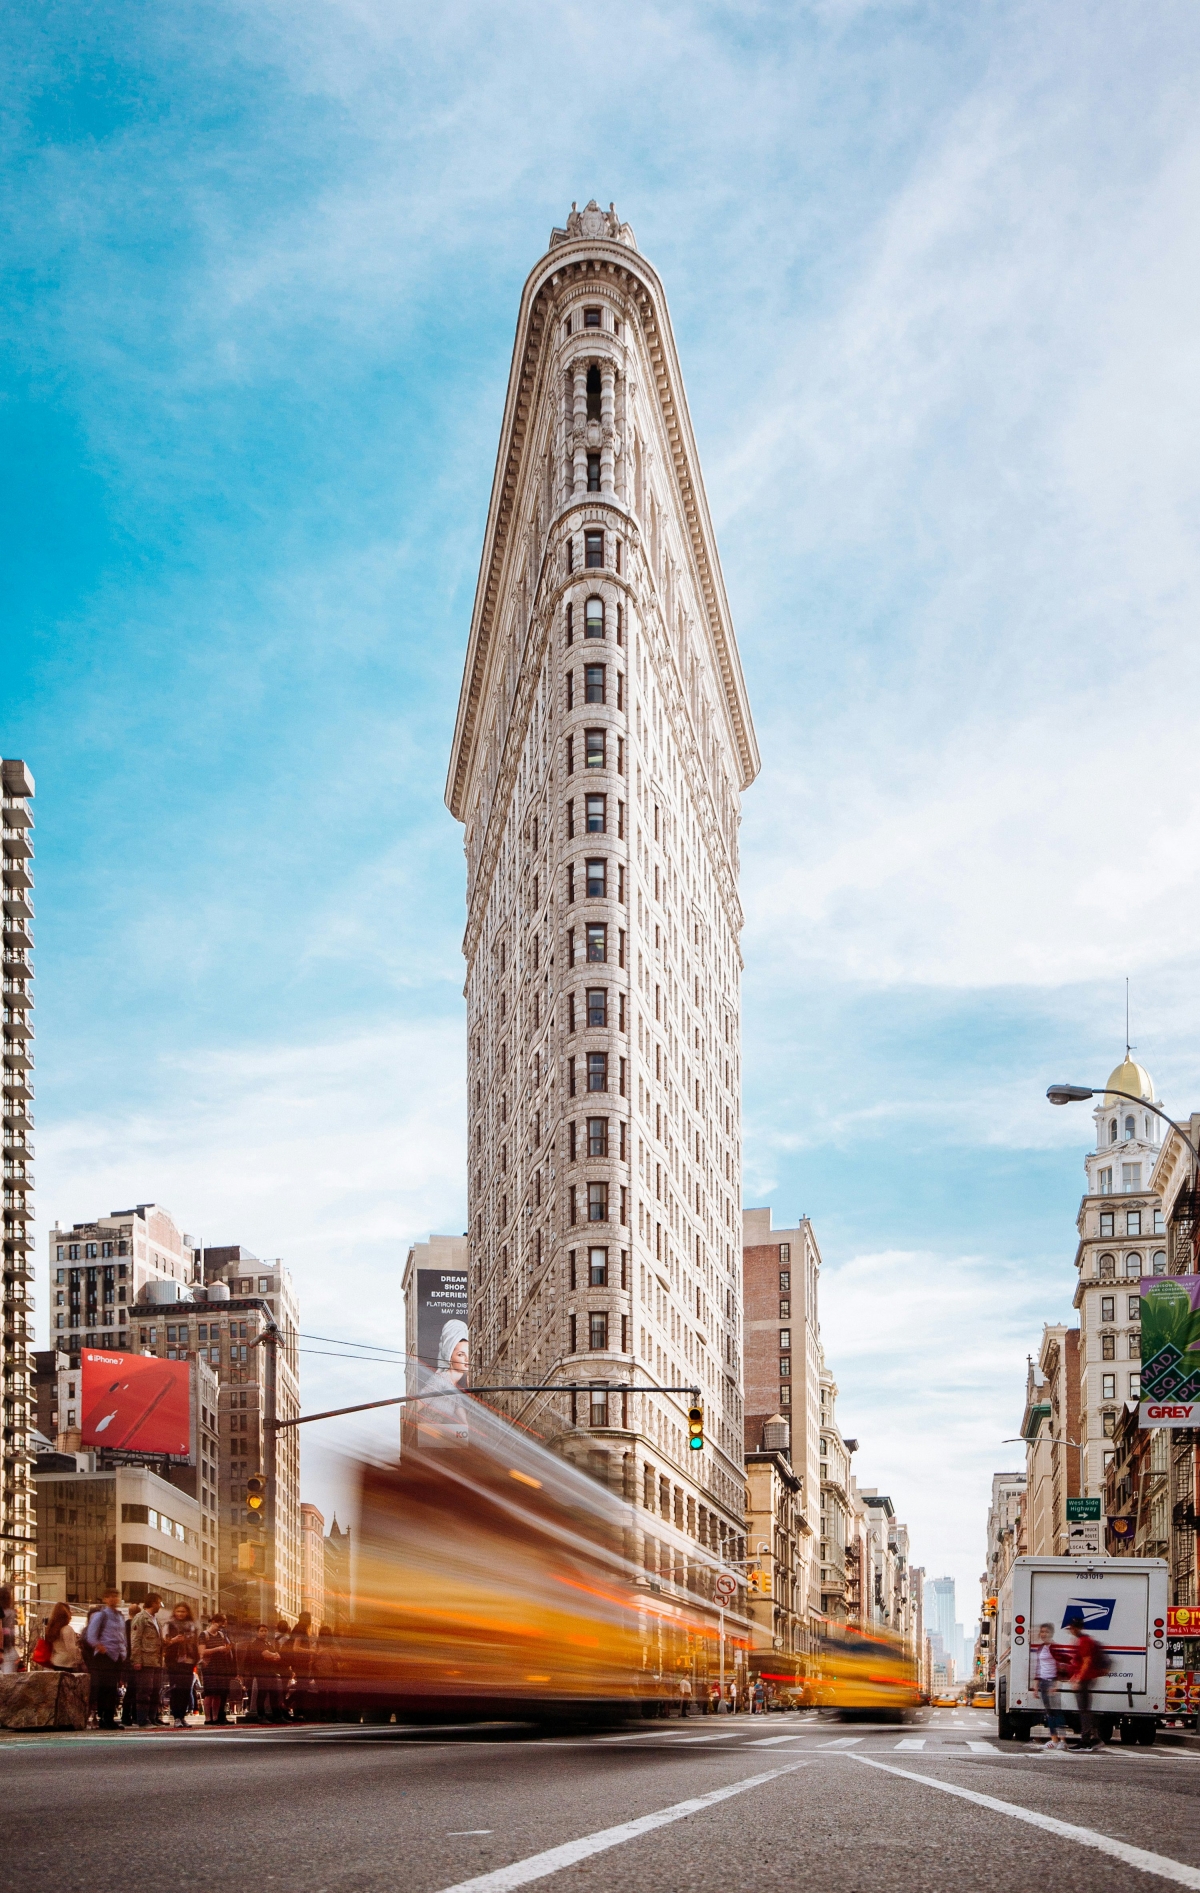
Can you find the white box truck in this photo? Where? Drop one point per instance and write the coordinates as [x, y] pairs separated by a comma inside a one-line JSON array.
[[1122, 1603]]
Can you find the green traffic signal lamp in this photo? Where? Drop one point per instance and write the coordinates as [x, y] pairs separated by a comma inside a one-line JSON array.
[[696, 1427]]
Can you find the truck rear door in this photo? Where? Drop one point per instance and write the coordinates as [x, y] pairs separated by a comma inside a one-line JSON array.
[[1113, 1607]]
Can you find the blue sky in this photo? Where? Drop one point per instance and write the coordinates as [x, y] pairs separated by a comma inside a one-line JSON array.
[[933, 276]]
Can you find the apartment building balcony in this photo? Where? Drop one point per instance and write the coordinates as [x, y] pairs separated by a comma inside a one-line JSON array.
[[17, 905], [16, 1086], [15, 872], [18, 1055]]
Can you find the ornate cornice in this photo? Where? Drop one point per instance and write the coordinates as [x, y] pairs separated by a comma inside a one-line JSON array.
[[574, 263]]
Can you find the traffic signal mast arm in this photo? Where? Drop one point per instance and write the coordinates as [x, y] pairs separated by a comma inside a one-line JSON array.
[[455, 1393]]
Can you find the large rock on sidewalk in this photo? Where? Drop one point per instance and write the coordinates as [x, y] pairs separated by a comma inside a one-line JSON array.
[[45, 1699]]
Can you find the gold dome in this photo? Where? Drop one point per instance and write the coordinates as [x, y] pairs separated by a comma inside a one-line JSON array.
[[1129, 1076]]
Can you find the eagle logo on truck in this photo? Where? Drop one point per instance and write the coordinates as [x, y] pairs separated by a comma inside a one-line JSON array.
[[1094, 1613]]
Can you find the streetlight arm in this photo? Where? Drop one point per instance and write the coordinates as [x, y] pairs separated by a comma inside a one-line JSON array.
[[1074, 1094]]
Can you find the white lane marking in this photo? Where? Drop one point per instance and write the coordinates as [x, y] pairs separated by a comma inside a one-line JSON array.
[[769, 1741], [718, 1735], [554, 1859], [842, 1741], [912, 1741], [981, 1748], [1140, 1857]]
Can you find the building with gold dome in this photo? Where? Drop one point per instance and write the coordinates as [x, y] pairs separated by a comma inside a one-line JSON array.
[[1121, 1238]]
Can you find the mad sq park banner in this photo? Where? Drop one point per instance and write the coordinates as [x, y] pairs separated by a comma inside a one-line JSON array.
[[1170, 1351]]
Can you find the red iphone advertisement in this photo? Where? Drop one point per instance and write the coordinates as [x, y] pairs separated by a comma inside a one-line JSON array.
[[135, 1403]]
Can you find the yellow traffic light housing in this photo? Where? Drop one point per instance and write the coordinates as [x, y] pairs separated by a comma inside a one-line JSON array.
[[696, 1427], [256, 1500]]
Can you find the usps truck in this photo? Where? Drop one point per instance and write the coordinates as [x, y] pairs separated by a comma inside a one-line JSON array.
[[1122, 1603]]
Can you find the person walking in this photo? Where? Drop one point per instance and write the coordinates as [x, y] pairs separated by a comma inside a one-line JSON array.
[[300, 1654], [326, 1675], [1088, 1661], [108, 1646], [217, 1667], [146, 1657], [181, 1651], [685, 1696], [758, 1704], [1046, 1671]]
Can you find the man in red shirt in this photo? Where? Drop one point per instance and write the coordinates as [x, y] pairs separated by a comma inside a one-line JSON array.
[[1087, 1663]]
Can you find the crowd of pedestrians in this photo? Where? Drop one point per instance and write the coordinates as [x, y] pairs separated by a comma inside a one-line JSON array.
[[149, 1664]]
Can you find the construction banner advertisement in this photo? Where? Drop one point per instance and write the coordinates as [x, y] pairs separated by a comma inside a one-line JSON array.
[[1170, 1393]]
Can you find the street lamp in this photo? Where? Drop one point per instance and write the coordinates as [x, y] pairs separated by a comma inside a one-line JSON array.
[[1075, 1094]]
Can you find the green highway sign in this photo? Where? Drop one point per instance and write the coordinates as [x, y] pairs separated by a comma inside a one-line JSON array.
[[1082, 1508]]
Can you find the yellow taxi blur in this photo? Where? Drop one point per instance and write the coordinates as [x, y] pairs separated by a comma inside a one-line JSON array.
[[984, 1699], [946, 1702]]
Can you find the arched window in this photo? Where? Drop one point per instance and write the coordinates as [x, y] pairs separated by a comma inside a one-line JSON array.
[[1129, 1127], [1158, 1262], [1133, 1264], [1108, 1267], [1112, 1132], [593, 394], [594, 618]]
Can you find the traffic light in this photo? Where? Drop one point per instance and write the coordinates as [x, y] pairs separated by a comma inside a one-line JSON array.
[[754, 1583], [696, 1427], [256, 1501]]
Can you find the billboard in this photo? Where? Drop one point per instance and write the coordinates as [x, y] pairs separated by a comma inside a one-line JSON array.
[[136, 1404], [443, 1351], [1170, 1393]]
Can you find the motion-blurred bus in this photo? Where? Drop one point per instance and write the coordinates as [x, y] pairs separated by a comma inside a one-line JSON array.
[[494, 1578], [870, 1674]]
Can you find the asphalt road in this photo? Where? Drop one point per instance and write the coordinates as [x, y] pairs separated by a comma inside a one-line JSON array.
[[709, 1804]]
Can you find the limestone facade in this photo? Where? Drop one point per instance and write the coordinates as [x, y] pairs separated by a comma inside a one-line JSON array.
[[1121, 1238], [602, 745]]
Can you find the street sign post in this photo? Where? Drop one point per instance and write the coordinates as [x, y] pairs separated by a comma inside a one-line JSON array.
[[1083, 1527]]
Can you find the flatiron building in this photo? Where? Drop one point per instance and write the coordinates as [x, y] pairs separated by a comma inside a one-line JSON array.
[[602, 745]]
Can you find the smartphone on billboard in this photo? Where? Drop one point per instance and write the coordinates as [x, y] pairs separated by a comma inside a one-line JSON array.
[[135, 1403]]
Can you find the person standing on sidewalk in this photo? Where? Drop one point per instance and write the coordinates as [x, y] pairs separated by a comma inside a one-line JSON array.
[[106, 1640], [146, 1656], [1088, 1661], [218, 1665], [181, 1651], [1046, 1670]]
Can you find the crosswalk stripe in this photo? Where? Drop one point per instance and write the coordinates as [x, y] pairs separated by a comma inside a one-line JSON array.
[[769, 1741], [981, 1748], [912, 1741], [842, 1741]]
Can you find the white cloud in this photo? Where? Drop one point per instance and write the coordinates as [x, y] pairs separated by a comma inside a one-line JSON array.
[[929, 1355], [984, 454], [335, 1155]]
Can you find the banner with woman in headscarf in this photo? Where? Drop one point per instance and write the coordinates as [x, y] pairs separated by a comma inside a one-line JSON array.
[[443, 1347]]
